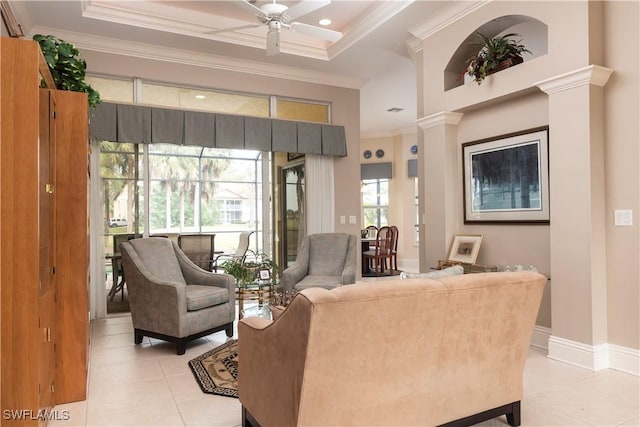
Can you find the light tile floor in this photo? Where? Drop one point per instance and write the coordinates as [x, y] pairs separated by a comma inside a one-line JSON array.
[[149, 385]]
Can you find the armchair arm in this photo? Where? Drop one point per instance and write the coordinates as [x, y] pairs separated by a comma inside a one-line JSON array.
[[194, 275], [296, 271], [293, 275], [350, 263]]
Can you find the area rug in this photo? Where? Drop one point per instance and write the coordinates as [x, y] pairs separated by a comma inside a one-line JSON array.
[[217, 370]]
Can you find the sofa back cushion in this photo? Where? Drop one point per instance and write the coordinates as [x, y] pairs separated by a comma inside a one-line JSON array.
[[157, 255], [327, 253]]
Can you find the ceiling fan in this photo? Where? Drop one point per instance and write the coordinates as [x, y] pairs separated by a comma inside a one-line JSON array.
[[276, 15]]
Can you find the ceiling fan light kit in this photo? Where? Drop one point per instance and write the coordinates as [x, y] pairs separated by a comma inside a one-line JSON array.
[[277, 15]]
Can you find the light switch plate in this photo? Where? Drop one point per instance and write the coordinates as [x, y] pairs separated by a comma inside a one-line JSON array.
[[352, 219], [623, 217], [343, 219]]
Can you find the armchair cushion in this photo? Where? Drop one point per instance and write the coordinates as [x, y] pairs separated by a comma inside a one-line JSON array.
[[199, 296]]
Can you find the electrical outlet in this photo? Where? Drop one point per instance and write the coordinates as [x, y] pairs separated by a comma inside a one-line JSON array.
[[623, 217]]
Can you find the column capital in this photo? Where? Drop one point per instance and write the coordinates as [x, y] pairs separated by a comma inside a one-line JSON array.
[[592, 74], [441, 118]]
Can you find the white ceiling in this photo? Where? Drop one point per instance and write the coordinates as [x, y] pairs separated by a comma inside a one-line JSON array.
[[371, 55]]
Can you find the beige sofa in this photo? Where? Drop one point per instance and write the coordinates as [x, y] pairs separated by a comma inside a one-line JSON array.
[[392, 353]]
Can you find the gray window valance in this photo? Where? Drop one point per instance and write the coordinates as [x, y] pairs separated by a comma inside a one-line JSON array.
[[376, 171], [147, 125]]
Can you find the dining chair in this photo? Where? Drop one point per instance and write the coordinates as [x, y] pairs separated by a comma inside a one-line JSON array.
[[382, 251], [372, 231], [199, 248], [117, 273], [394, 250], [240, 253]]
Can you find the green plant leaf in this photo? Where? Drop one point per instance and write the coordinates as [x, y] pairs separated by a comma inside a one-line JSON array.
[[67, 69]]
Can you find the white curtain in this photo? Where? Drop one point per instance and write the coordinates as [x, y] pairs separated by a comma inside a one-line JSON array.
[[97, 287], [320, 194]]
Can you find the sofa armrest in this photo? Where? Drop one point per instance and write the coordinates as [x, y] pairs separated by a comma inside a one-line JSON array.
[[282, 344]]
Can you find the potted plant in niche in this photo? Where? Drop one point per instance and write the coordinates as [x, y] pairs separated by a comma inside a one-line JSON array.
[[67, 69], [495, 54]]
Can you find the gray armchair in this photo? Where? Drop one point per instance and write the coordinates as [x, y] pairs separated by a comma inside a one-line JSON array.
[[170, 297], [324, 260]]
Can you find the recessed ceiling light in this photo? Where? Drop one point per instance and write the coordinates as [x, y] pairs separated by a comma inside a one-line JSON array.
[[200, 97], [395, 109], [324, 21]]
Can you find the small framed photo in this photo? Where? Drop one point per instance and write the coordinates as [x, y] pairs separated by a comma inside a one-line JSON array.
[[465, 248], [265, 275]]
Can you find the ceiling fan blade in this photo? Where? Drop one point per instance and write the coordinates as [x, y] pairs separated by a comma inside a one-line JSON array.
[[273, 42], [223, 30], [250, 8], [323, 33], [304, 7]]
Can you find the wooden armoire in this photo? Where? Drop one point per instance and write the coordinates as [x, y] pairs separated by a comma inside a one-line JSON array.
[[44, 239]]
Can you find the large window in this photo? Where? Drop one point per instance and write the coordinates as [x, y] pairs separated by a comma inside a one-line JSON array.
[[168, 189], [375, 202], [190, 189]]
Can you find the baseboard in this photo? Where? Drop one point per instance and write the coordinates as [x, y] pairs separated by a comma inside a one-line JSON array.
[[624, 359], [595, 358], [540, 337]]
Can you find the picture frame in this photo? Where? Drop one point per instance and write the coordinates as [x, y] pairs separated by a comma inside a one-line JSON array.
[[465, 248], [506, 178], [265, 275]]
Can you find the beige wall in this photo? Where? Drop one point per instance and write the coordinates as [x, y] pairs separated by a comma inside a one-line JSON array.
[[593, 297]]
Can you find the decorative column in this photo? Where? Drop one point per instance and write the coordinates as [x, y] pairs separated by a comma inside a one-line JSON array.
[[438, 172], [577, 204]]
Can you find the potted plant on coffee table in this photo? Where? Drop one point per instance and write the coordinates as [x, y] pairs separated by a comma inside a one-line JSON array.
[[495, 54], [247, 271]]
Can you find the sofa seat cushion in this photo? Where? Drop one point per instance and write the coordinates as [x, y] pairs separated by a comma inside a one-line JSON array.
[[318, 281], [199, 297]]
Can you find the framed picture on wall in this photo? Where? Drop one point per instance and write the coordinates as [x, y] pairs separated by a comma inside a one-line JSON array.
[[506, 178], [465, 248]]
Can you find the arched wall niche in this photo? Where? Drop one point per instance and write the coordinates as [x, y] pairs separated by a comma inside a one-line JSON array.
[[533, 32]]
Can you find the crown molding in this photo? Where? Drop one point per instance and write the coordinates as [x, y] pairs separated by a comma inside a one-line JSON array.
[[176, 20], [179, 56], [456, 11], [438, 119], [590, 75], [377, 14]]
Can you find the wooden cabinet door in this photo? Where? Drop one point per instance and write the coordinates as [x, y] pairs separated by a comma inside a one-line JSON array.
[[46, 221]]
